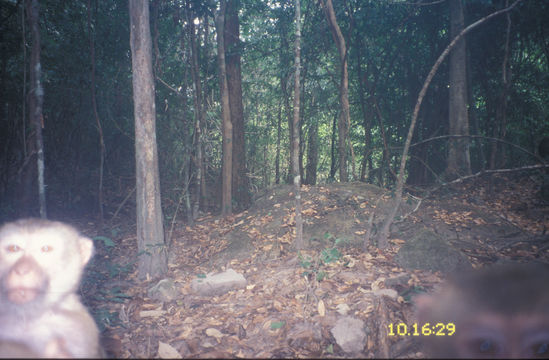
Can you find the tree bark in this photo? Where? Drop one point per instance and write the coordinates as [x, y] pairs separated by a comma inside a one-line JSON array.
[[97, 120], [459, 161], [295, 136], [499, 129], [240, 183], [226, 194], [278, 138], [312, 151], [150, 230], [344, 116], [199, 119], [36, 101]]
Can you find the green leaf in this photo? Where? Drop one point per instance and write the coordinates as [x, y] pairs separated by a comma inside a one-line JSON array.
[[106, 241], [277, 324]]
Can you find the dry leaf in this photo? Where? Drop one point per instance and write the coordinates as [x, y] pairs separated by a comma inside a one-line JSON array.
[[214, 333], [166, 351], [152, 313], [321, 308]]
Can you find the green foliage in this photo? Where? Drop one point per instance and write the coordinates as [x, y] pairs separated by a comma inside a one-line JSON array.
[[106, 241], [277, 324], [408, 294], [391, 46], [316, 265], [330, 255], [104, 318]]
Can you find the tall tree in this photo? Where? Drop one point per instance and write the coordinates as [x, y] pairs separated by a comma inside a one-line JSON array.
[[500, 125], [312, 150], [295, 136], [150, 231], [96, 116], [227, 163], [459, 161], [344, 116], [36, 101], [199, 115], [234, 83]]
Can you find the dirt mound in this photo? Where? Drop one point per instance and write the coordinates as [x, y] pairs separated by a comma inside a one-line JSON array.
[[293, 301]]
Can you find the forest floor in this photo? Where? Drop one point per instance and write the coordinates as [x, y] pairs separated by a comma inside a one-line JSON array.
[[291, 303]]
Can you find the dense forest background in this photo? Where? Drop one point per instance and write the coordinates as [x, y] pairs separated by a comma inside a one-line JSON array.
[[88, 123]]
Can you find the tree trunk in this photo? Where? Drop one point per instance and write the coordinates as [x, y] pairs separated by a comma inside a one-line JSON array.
[[240, 184], [333, 160], [35, 106], [278, 138], [344, 117], [295, 135], [150, 230], [499, 130], [312, 151], [459, 162], [226, 194], [97, 121], [199, 118]]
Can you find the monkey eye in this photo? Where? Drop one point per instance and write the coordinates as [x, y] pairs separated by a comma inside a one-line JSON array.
[[487, 346], [542, 350], [484, 347], [537, 346], [47, 248], [13, 248]]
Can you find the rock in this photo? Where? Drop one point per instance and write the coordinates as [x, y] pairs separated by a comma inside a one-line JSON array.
[[306, 336], [164, 290], [428, 251], [399, 280], [387, 292], [219, 283], [349, 334]]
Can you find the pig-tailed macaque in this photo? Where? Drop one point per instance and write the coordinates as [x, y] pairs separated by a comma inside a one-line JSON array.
[[41, 315], [498, 312]]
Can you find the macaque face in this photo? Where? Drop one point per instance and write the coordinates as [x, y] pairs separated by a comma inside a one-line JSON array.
[[41, 315], [40, 262], [501, 312]]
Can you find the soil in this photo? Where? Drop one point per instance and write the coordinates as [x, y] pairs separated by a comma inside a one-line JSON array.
[[291, 301]]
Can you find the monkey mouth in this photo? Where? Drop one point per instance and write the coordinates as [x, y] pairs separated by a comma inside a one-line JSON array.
[[22, 295]]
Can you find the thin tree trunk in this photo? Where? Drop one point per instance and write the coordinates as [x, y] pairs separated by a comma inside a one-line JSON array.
[[344, 118], [150, 227], [97, 121], [312, 150], [36, 100], [198, 118], [459, 162], [226, 194], [278, 138], [501, 106], [24, 102], [333, 162], [295, 144]]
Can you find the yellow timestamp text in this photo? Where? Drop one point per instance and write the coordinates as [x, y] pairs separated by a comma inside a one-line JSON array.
[[427, 329]]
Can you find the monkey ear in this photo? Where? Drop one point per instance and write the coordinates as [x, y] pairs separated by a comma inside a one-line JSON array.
[[86, 249]]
